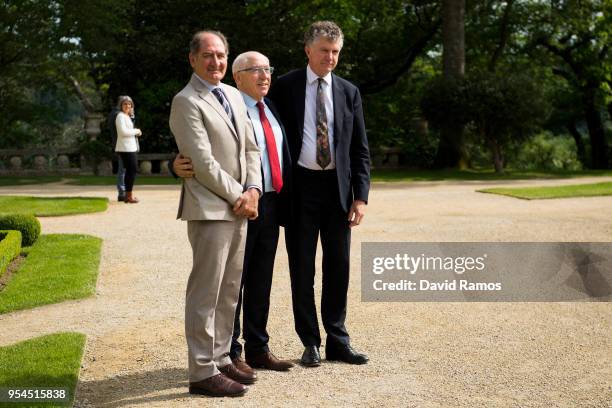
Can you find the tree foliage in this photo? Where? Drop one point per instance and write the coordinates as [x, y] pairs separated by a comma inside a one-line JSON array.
[[61, 58]]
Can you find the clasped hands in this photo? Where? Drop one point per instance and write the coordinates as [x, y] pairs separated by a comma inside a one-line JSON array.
[[245, 206]]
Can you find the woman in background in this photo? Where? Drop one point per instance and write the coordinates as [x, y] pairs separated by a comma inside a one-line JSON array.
[[127, 144]]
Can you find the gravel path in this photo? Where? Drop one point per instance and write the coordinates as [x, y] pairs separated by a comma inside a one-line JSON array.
[[422, 354]]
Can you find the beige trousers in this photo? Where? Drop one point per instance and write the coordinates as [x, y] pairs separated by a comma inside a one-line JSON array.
[[212, 293]]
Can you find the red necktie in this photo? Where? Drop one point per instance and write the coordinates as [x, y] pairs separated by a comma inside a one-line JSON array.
[[275, 170]]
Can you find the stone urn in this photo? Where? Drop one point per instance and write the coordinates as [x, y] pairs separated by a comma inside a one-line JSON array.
[[92, 124]]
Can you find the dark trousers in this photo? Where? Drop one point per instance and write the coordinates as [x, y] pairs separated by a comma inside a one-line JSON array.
[[317, 210], [260, 251], [130, 162]]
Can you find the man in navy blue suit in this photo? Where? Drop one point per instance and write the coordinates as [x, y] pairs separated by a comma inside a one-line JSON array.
[[323, 119]]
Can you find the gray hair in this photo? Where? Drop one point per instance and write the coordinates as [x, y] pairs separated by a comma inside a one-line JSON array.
[[196, 40], [242, 59], [124, 98], [327, 29]]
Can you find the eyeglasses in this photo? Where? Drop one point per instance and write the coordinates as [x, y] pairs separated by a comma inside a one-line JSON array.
[[259, 70]]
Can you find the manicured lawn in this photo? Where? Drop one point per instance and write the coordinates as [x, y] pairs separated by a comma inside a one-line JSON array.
[[51, 206], [479, 175], [535, 193], [22, 181], [58, 267], [111, 181], [52, 361]]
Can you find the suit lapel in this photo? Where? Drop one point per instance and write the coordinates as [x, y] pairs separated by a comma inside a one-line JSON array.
[[339, 103], [285, 147], [211, 99], [299, 96]]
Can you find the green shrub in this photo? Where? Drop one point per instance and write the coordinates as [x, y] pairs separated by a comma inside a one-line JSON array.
[[10, 245], [546, 151], [27, 224]]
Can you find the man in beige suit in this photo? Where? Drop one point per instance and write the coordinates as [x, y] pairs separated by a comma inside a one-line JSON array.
[[210, 124]]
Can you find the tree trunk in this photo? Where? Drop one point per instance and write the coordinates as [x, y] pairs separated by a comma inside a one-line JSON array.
[[496, 153], [451, 150], [599, 146], [580, 150], [453, 38]]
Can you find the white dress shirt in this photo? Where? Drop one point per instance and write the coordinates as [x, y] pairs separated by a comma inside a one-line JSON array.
[[126, 134], [260, 137], [308, 154]]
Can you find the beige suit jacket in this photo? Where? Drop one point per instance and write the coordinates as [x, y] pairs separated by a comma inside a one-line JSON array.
[[225, 158]]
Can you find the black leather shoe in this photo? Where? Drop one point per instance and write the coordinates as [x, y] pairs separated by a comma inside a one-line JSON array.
[[311, 357], [344, 353]]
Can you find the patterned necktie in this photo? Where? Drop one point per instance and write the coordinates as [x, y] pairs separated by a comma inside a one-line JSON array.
[[218, 92], [323, 150], [275, 170]]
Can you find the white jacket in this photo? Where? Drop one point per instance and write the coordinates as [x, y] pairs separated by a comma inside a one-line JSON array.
[[126, 134]]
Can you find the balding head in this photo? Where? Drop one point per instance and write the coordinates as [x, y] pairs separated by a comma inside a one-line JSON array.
[[252, 74], [246, 60]]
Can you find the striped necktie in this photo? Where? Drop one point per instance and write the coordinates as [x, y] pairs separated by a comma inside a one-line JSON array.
[[218, 92]]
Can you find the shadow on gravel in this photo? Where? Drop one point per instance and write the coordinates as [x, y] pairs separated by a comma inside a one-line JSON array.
[[133, 389]]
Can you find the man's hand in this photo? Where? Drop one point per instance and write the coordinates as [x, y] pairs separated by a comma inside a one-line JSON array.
[[182, 166], [246, 205], [356, 213]]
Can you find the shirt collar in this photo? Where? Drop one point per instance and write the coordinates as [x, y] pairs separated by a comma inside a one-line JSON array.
[[206, 83], [250, 102], [312, 77]]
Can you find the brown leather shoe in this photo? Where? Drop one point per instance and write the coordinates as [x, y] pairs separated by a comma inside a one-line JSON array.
[[218, 386], [243, 366], [235, 374], [129, 198], [268, 361]]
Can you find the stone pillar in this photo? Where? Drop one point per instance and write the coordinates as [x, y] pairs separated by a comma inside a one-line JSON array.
[[393, 159], [105, 168], [145, 167], [63, 162], [15, 163], [40, 162], [163, 167]]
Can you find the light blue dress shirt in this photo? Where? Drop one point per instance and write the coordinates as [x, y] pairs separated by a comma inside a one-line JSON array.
[[253, 112]]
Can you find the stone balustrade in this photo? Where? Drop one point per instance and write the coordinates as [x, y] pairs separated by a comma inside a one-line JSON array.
[[385, 157], [69, 161], [66, 161]]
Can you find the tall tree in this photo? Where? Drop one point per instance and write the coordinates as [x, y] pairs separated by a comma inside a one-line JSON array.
[[577, 34], [451, 151]]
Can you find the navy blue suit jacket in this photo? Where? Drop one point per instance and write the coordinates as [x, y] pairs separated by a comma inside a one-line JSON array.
[[350, 142]]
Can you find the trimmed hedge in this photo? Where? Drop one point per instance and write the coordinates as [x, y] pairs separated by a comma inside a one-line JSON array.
[[10, 246], [27, 224]]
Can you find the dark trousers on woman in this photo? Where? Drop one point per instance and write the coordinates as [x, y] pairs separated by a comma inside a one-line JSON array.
[[130, 162], [317, 210]]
